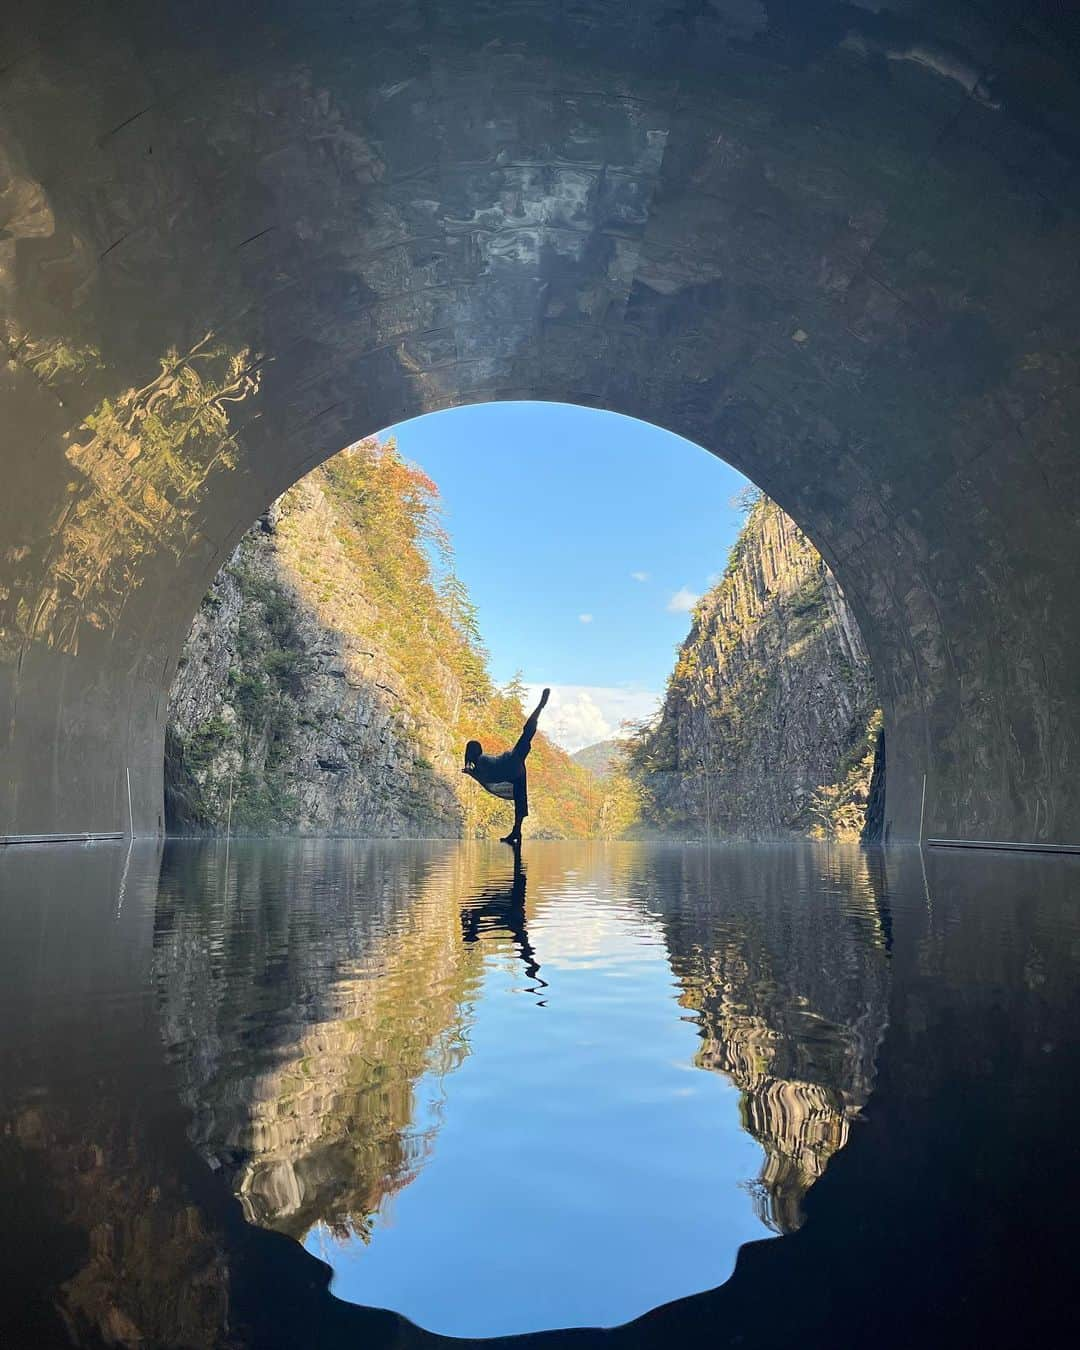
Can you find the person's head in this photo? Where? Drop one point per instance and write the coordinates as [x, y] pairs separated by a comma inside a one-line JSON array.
[[473, 751]]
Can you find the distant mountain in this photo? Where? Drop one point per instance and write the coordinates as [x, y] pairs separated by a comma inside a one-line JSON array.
[[600, 757]]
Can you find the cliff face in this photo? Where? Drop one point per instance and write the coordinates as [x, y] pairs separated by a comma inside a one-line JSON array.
[[297, 723], [332, 677], [769, 724]]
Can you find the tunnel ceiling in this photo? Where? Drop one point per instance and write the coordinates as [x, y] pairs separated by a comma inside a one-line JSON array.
[[835, 244]]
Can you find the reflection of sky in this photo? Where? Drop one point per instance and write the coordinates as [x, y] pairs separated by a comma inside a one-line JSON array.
[[581, 932], [580, 1174]]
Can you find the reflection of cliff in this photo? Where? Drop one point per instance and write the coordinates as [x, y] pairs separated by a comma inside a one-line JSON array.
[[309, 1001], [800, 1124], [319, 1019], [791, 997]]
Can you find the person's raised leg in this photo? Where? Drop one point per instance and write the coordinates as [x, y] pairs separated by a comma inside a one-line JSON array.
[[524, 743]]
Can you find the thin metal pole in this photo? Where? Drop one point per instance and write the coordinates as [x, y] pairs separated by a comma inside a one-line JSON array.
[[922, 810], [228, 832], [124, 876], [708, 809], [131, 814], [1006, 845], [82, 837]]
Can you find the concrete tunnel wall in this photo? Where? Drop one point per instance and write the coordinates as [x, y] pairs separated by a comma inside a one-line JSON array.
[[835, 244]]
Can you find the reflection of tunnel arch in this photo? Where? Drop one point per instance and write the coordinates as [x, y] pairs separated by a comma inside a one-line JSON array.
[[836, 246]]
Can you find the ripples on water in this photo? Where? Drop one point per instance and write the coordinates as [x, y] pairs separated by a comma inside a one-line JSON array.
[[494, 1098]]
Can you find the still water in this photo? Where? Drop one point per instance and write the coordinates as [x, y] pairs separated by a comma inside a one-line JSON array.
[[499, 1097]]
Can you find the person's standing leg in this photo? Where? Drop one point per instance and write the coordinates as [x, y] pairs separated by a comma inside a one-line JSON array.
[[521, 809], [521, 785]]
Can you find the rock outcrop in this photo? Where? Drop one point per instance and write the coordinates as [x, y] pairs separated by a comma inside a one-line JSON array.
[[770, 722], [279, 721]]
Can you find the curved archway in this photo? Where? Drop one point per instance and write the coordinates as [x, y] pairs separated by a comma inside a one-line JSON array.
[[837, 247]]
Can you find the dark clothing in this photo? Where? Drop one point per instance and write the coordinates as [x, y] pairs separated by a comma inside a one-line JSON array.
[[505, 775]]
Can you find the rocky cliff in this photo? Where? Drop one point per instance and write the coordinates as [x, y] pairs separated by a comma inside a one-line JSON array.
[[769, 725], [333, 674], [280, 720]]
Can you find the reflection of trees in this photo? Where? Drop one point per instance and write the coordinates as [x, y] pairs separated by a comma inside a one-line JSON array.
[[303, 1022], [141, 470], [303, 1039], [782, 956]]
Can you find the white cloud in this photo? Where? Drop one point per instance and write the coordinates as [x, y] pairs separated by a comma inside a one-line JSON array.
[[683, 601], [584, 618], [639, 576], [581, 714]]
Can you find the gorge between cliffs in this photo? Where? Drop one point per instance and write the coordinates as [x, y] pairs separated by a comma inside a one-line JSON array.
[[336, 667]]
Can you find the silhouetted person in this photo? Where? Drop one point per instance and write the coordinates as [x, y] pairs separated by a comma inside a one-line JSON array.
[[505, 775], [503, 908]]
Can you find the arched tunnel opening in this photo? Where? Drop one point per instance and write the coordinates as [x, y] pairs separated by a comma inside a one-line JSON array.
[[382, 611]]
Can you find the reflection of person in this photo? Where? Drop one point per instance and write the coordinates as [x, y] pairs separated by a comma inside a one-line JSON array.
[[503, 908], [505, 775]]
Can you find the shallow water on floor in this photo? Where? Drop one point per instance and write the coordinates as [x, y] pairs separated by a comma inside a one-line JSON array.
[[494, 1095]]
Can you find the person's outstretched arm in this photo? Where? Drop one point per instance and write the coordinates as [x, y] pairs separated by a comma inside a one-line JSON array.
[[525, 739]]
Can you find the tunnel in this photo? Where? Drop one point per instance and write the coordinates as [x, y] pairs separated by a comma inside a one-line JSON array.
[[835, 244]]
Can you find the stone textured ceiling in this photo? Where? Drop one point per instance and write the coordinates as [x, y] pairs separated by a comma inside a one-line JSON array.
[[835, 244]]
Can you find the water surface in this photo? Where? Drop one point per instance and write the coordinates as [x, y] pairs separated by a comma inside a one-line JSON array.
[[498, 1098], [441, 1068]]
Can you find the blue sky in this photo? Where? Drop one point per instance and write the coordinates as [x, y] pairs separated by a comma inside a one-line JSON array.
[[584, 538]]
